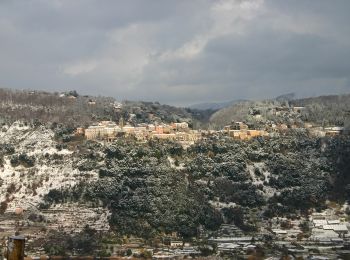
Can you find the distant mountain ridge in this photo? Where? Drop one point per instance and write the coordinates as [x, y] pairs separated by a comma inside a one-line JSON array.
[[215, 105], [286, 97]]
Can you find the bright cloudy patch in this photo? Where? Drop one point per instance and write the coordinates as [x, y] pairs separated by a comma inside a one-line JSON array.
[[79, 68], [177, 52]]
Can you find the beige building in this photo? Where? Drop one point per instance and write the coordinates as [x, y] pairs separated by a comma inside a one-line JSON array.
[[129, 129], [180, 126], [164, 136], [333, 131], [104, 130], [247, 134], [298, 109]]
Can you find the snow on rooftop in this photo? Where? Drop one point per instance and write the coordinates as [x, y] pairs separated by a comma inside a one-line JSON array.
[[339, 228], [279, 231], [333, 222]]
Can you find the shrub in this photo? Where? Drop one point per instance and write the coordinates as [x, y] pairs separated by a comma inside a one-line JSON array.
[[22, 159], [3, 207]]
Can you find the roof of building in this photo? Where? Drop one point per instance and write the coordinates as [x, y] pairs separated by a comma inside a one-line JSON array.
[[318, 233], [319, 222], [341, 228], [279, 231], [231, 239], [334, 128], [228, 246], [333, 222]]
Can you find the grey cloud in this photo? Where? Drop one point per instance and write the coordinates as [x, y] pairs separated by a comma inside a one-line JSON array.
[[177, 52], [262, 63]]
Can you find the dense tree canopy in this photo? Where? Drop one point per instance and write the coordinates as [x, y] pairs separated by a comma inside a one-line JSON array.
[[148, 195]]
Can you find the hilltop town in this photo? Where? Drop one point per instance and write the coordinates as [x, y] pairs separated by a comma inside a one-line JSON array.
[[109, 131], [181, 132]]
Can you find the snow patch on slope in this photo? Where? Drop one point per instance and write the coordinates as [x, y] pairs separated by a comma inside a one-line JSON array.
[[25, 187]]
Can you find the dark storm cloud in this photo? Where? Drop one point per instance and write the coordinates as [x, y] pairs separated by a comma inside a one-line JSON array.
[[176, 51]]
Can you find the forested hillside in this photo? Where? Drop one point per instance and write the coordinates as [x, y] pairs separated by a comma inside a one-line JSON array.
[[326, 110], [159, 187], [322, 111], [73, 110]]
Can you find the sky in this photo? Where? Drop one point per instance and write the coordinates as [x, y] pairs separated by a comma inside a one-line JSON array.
[[176, 52]]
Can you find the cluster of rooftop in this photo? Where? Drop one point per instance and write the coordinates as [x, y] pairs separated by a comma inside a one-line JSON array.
[[240, 130], [108, 130]]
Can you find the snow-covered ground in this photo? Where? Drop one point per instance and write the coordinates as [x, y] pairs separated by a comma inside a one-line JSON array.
[[21, 185], [256, 180]]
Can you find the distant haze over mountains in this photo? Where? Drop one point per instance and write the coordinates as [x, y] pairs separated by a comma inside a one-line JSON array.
[[287, 97], [220, 105], [215, 105]]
